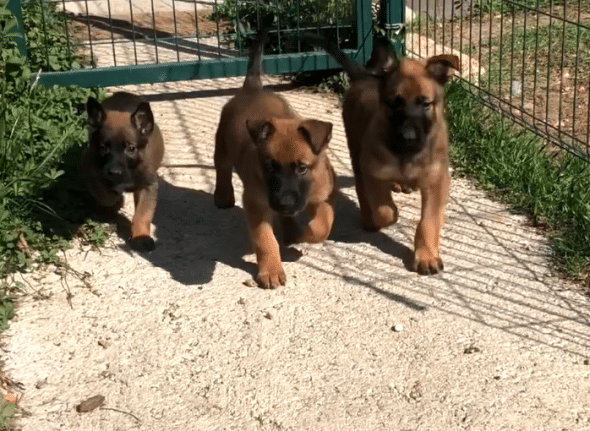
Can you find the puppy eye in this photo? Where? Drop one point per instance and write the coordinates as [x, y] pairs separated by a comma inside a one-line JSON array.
[[424, 102], [131, 149], [301, 169]]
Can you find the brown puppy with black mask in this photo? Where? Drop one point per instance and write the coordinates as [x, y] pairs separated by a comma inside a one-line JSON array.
[[124, 152], [397, 137], [282, 162]]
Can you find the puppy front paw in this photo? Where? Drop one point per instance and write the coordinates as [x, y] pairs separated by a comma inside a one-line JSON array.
[[224, 200], [426, 263], [142, 243], [271, 278]]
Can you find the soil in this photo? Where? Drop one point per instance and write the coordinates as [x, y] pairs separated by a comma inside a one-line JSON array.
[[163, 24]]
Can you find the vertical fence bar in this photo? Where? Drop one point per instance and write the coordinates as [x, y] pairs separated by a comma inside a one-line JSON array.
[[536, 65], [523, 77], [394, 21], [547, 94], [112, 35], [46, 44], [364, 30], [133, 30], [419, 28], [89, 34], [560, 105], [197, 29], [576, 67], [176, 30], [435, 24], [66, 29], [15, 9], [155, 32], [511, 83]]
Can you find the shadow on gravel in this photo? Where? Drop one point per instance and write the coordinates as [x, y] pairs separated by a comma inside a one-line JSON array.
[[348, 228], [192, 235]]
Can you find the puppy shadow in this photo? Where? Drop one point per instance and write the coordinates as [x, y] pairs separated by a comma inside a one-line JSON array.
[[192, 236], [348, 228]]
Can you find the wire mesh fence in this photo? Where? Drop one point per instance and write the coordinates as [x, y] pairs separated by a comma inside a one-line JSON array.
[[528, 59]]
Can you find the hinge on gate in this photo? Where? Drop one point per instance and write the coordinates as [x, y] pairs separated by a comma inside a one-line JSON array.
[[396, 29]]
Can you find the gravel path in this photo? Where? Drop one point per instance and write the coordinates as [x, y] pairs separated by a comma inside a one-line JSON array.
[[177, 339]]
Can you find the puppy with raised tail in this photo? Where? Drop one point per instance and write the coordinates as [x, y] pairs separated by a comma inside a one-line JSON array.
[[124, 152], [282, 162], [397, 137]]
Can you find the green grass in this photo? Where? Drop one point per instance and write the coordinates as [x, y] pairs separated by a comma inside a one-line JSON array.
[[509, 162], [42, 133]]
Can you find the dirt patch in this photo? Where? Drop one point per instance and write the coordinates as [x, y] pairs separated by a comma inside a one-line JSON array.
[[161, 24]]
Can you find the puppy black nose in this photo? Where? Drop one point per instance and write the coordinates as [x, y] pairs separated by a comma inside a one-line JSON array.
[[115, 171], [409, 132], [288, 200]]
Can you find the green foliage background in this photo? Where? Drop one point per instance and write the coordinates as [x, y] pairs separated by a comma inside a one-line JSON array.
[[41, 129]]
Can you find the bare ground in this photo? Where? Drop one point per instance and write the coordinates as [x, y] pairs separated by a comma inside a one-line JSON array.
[[178, 339]]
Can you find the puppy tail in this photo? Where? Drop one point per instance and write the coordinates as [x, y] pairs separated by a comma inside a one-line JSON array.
[[253, 80], [354, 70]]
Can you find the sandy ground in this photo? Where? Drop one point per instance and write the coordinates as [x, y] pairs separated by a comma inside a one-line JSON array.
[[176, 339]]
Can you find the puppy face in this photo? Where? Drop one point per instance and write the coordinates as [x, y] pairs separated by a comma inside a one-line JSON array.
[[288, 150], [412, 95], [118, 140]]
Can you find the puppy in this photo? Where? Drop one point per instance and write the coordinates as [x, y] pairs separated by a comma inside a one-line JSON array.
[[397, 137], [124, 152], [282, 162]]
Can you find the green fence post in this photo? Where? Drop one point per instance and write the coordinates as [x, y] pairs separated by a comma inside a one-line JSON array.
[[21, 42], [363, 21], [394, 20]]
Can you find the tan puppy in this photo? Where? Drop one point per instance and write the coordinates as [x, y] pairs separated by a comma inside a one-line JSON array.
[[282, 162], [397, 136], [124, 153]]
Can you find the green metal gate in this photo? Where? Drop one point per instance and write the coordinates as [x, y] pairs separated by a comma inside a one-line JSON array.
[[216, 47]]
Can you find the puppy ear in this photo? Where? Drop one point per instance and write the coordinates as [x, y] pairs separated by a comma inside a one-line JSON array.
[[143, 119], [382, 60], [260, 130], [316, 133], [96, 114], [440, 67]]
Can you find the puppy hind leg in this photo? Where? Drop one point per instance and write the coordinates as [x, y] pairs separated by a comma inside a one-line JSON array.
[[360, 193], [224, 190], [145, 208], [320, 224], [382, 211]]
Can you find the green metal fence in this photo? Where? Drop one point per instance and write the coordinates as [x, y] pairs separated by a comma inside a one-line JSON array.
[[144, 41]]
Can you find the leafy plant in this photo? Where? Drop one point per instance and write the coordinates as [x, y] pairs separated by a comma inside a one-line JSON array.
[[330, 17], [42, 134]]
